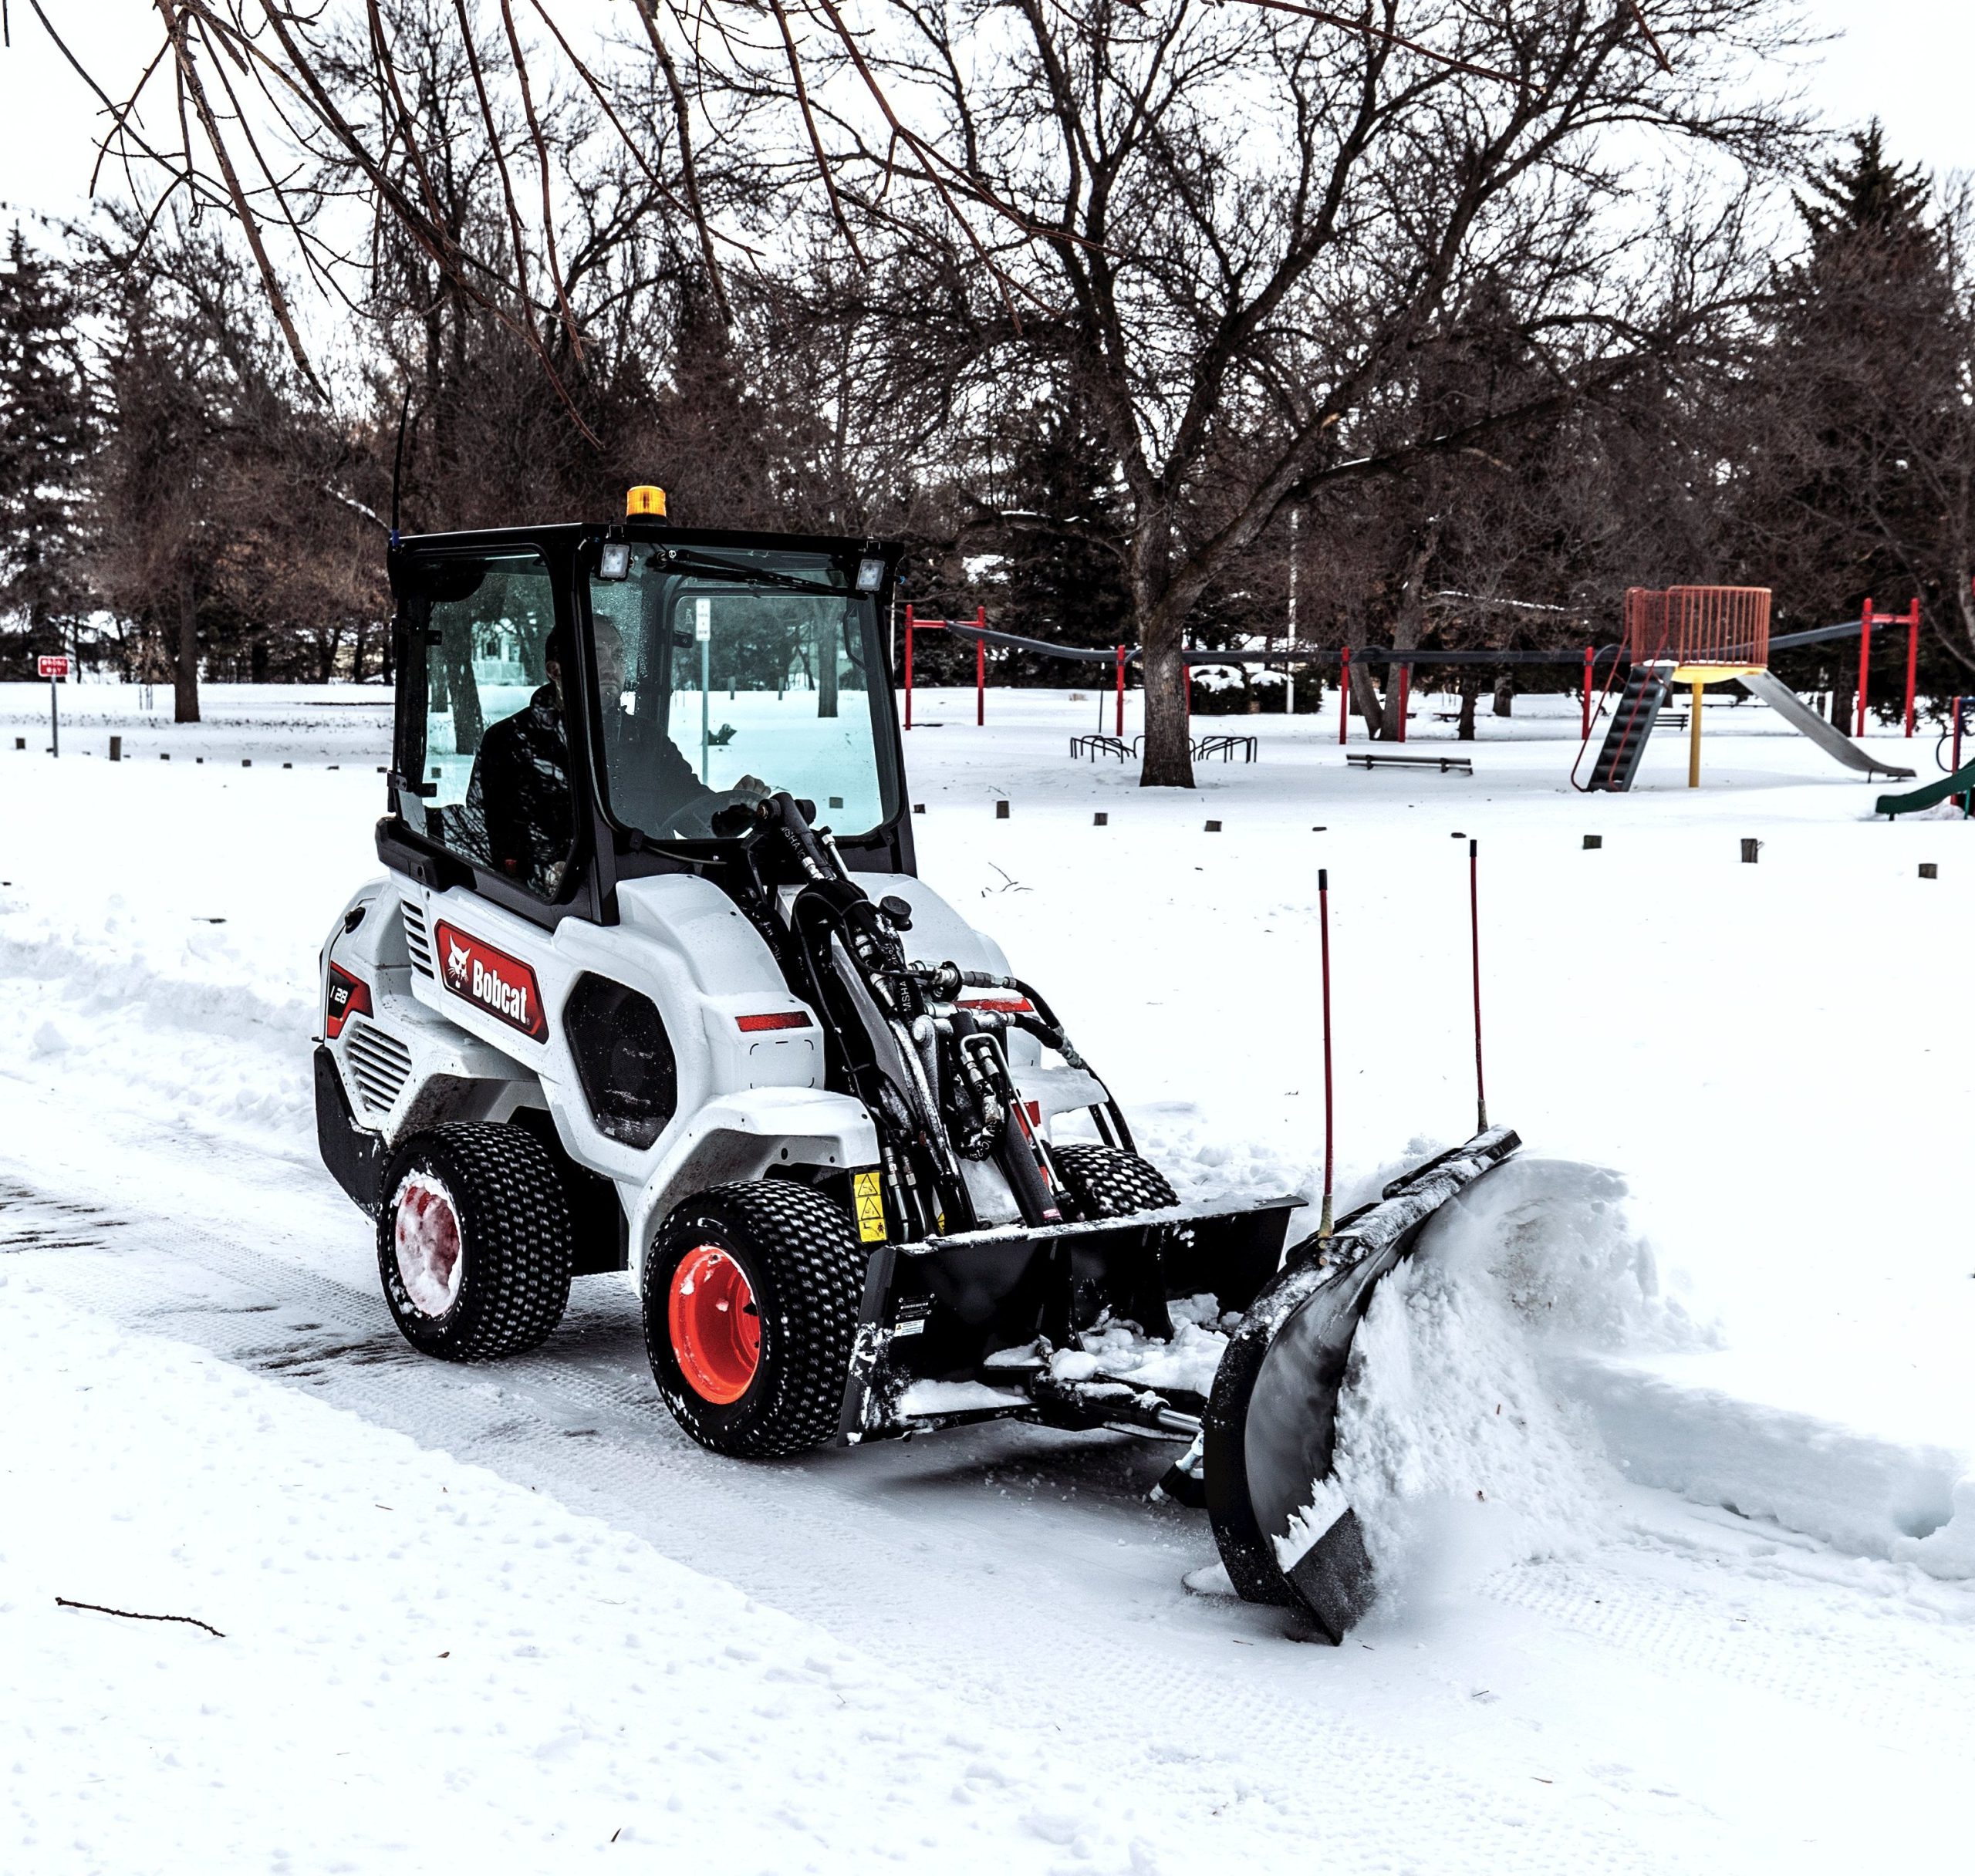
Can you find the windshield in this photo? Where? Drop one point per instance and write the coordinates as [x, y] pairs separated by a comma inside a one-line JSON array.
[[729, 673]]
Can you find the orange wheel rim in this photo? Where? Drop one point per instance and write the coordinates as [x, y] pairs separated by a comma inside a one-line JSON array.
[[715, 1327]]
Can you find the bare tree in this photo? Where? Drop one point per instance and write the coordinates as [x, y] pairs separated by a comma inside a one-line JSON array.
[[1228, 226]]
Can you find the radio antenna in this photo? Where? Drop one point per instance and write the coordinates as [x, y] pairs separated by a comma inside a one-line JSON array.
[[397, 462]]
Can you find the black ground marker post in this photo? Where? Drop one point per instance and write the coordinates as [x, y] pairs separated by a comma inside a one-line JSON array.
[[1750, 849], [1100, 819], [116, 749], [1592, 842], [1929, 870], [1000, 810]]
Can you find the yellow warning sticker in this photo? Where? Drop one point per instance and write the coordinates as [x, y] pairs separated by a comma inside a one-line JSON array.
[[870, 1197]]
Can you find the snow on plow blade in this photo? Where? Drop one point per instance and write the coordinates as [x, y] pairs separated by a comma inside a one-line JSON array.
[[1285, 1534]]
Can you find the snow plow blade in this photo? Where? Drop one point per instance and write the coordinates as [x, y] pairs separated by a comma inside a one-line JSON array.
[[1270, 1432]]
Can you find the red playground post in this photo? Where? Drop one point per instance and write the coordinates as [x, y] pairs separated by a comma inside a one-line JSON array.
[[980, 671], [1474, 931], [1405, 697], [1344, 695], [1323, 925], [1912, 657], [1121, 693], [908, 665], [1865, 663], [1588, 659]]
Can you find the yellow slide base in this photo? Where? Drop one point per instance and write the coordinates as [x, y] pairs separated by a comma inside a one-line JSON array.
[[1713, 673]]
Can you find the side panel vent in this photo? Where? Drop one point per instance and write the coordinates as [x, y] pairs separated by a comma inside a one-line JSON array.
[[380, 1064], [416, 941]]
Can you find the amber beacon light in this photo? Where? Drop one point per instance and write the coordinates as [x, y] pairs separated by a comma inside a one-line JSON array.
[[645, 500]]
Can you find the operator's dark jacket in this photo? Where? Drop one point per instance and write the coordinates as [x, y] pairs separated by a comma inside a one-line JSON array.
[[519, 797]]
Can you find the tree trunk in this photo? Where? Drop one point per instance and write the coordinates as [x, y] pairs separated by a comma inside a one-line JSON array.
[[185, 659], [1365, 699], [1169, 750], [1470, 689], [1406, 629], [1505, 695]]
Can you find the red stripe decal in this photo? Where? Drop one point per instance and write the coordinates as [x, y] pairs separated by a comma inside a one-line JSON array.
[[777, 1019], [348, 996]]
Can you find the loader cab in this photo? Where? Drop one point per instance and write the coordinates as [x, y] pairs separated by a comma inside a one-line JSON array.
[[578, 705]]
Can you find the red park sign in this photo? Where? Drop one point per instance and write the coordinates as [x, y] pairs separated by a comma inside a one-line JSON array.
[[52, 667]]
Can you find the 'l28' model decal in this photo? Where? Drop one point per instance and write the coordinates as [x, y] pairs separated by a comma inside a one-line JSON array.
[[496, 982]]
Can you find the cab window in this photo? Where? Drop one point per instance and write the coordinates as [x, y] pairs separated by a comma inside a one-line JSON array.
[[494, 754]]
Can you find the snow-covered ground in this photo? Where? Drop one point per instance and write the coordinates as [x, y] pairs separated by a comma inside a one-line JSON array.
[[1698, 1598]]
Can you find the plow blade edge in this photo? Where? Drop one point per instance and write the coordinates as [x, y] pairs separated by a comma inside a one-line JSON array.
[[1270, 1432]]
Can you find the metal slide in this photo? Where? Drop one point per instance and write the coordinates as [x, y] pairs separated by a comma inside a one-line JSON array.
[[1834, 742]]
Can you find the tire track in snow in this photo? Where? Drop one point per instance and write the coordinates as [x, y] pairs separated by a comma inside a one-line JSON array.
[[579, 1419]]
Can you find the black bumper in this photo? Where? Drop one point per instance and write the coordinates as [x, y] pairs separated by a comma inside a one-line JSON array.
[[354, 1155]]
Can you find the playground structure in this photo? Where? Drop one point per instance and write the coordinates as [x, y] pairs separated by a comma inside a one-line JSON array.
[[1693, 636], [1680, 636], [1958, 784]]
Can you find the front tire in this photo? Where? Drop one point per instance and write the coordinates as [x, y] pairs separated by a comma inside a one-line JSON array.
[[1108, 1182], [475, 1245], [751, 1296]]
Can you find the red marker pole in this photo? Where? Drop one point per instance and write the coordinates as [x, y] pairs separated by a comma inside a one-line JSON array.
[[908, 667], [1344, 694], [1474, 932], [1913, 658], [1586, 736], [980, 682], [1865, 663], [1121, 693], [1323, 927], [1405, 697]]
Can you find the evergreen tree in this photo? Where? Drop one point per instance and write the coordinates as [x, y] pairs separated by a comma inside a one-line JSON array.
[[1062, 539], [1859, 434], [45, 437]]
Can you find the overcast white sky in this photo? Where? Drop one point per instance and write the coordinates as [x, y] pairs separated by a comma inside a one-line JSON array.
[[1909, 62]]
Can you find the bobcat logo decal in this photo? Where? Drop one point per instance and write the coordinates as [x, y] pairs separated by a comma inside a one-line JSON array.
[[493, 981]]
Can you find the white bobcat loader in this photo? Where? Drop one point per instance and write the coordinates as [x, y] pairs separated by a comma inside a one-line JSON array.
[[650, 984]]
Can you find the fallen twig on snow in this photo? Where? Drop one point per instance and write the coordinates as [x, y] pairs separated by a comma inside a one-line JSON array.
[[133, 1615]]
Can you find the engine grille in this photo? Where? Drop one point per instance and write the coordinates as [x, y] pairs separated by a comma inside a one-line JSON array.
[[416, 940], [379, 1063]]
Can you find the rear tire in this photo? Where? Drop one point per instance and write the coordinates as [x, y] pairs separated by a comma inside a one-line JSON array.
[[475, 1242], [784, 1254], [1108, 1182]]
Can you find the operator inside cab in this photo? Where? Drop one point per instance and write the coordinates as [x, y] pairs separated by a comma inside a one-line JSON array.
[[519, 793]]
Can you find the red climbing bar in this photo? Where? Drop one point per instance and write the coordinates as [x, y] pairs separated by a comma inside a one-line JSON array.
[[1405, 697], [981, 672], [908, 665], [1344, 694], [1912, 657], [1587, 657], [1121, 693]]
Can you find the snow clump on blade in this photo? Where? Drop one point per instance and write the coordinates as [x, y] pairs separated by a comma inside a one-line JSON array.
[[1456, 1448]]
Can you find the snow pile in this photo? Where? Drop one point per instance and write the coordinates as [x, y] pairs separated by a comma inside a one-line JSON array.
[[1456, 1447], [1117, 1350]]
